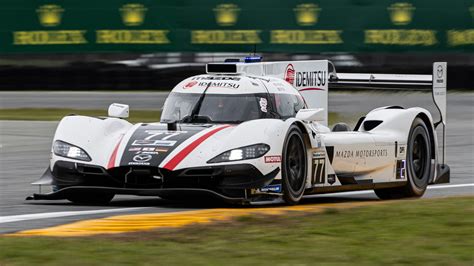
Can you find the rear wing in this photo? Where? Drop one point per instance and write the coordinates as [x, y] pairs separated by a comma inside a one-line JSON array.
[[436, 82]]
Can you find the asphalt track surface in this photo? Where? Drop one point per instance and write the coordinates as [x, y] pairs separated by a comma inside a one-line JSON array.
[[25, 147]]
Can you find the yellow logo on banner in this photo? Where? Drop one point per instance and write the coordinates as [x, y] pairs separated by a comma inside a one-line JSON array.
[[401, 13], [50, 15], [307, 14], [226, 14], [133, 14]]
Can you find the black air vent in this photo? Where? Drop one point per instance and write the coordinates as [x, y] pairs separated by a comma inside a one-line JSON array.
[[371, 124]]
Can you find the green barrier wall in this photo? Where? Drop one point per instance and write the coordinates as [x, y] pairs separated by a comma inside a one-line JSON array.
[[236, 26]]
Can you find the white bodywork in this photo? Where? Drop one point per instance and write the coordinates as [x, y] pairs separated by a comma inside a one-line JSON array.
[[333, 157]]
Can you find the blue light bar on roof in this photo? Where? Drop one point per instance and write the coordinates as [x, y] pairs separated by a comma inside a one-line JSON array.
[[253, 59]]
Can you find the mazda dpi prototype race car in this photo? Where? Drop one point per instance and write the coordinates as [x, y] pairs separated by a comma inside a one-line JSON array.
[[253, 131]]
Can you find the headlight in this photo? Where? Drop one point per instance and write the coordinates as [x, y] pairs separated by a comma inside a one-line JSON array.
[[243, 153], [64, 149]]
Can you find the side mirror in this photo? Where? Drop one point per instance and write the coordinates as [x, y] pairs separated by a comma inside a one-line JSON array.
[[118, 110], [311, 114]]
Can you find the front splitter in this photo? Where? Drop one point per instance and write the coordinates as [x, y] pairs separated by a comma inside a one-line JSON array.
[[191, 192]]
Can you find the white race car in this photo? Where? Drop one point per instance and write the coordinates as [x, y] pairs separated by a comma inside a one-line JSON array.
[[253, 131]]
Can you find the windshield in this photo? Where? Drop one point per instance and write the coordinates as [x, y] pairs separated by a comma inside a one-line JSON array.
[[217, 108]]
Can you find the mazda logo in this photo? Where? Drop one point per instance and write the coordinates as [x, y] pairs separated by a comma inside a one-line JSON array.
[[440, 72], [142, 158]]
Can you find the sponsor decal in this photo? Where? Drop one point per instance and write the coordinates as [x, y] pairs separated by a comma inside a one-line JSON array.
[[319, 154], [290, 74], [331, 179], [272, 188], [273, 159], [362, 153], [310, 78], [319, 171], [439, 74], [141, 159], [148, 152], [216, 78], [401, 169], [318, 167], [439, 71], [263, 104], [190, 84], [401, 150], [214, 84], [150, 142]]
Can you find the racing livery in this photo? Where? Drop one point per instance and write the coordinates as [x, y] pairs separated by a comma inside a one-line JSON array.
[[248, 132]]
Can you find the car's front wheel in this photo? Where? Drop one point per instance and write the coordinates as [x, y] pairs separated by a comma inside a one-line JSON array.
[[294, 166]]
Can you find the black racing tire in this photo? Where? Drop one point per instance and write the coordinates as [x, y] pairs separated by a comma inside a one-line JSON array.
[[340, 127], [418, 169], [91, 198], [294, 166]]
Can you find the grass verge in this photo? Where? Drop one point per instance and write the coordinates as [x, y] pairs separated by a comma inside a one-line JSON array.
[[432, 231]]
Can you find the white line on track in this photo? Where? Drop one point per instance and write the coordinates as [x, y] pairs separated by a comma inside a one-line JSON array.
[[46, 215], [371, 191], [450, 186], [35, 216]]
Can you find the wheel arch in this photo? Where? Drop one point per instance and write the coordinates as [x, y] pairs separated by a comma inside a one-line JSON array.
[[429, 125], [304, 130]]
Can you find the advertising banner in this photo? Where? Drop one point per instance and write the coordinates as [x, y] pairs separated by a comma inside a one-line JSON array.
[[86, 26]]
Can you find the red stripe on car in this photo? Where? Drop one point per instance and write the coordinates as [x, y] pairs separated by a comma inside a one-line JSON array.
[[188, 149], [312, 89], [111, 163]]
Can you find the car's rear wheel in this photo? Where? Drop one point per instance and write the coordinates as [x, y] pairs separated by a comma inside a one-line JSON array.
[[91, 199], [294, 166], [418, 165]]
